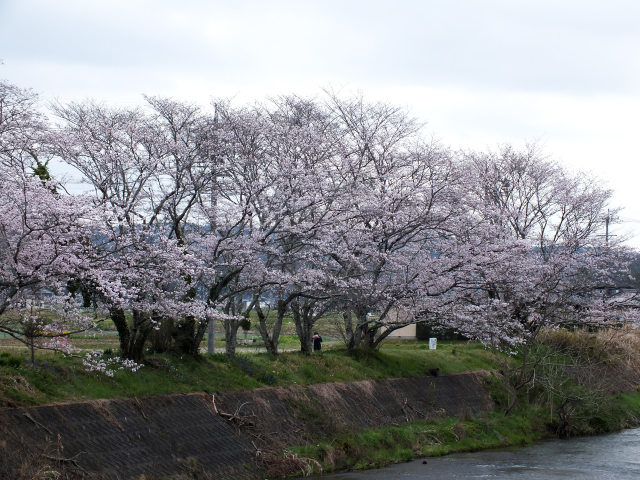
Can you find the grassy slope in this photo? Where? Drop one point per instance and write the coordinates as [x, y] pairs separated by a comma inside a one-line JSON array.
[[59, 379]]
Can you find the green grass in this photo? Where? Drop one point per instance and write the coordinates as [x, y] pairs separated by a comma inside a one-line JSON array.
[[449, 357], [617, 412], [56, 378], [393, 444], [386, 445]]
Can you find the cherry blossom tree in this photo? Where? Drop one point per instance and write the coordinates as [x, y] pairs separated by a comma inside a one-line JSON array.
[[42, 234], [551, 264], [21, 129], [399, 211], [139, 167], [41, 247], [291, 209], [225, 240], [558, 220]]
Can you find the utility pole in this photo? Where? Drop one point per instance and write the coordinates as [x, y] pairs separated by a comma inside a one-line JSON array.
[[211, 326], [607, 220], [211, 336]]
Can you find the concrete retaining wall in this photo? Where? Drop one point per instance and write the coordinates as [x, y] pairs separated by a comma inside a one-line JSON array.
[[124, 439], [299, 414], [181, 434]]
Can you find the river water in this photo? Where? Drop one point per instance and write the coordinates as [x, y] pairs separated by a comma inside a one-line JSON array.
[[607, 457]]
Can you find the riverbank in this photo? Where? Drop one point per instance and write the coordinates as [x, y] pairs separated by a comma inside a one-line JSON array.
[[295, 415], [375, 448], [228, 435], [251, 434], [568, 384], [605, 457]]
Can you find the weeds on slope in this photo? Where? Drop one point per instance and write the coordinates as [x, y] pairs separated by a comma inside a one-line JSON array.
[[55, 378]]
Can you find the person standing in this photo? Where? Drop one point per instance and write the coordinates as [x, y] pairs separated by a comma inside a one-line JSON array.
[[317, 342]]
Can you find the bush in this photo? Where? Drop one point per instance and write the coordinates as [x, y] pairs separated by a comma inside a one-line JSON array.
[[579, 344], [6, 359]]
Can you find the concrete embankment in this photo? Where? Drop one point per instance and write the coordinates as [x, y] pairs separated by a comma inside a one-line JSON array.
[[224, 436], [123, 439]]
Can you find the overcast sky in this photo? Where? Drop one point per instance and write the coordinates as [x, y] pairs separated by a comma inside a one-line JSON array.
[[565, 74]]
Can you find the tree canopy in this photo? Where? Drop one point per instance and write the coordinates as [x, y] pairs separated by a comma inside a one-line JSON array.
[[296, 206]]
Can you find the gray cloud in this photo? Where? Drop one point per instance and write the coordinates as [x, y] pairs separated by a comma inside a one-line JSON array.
[[535, 46], [565, 72]]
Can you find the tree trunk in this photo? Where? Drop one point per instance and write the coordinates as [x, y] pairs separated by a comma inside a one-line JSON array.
[[231, 336], [305, 319], [347, 317], [120, 321], [368, 336], [185, 336], [271, 340], [376, 341], [234, 307], [305, 334], [132, 338], [160, 338], [141, 327], [358, 333]]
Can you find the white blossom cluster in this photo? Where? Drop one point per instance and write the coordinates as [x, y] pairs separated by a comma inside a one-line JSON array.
[[96, 361]]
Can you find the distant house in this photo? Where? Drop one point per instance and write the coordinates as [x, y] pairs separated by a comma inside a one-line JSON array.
[[405, 333]]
